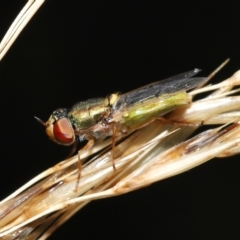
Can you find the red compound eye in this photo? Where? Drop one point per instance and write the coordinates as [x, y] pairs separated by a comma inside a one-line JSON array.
[[63, 132]]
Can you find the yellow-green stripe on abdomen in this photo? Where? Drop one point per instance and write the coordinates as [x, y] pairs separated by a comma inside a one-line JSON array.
[[143, 112]]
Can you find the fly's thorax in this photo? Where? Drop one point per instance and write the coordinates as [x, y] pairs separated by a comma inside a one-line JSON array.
[[86, 114], [59, 128], [90, 118]]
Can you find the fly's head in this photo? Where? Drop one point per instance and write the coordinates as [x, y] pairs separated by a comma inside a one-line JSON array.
[[59, 128]]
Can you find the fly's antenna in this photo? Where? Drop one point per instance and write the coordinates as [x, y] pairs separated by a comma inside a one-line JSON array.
[[41, 121]]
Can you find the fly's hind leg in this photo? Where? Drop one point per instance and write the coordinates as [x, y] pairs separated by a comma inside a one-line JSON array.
[[177, 123], [80, 152], [170, 122]]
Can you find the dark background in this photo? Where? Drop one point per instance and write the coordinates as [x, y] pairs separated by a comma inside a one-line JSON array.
[[75, 50]]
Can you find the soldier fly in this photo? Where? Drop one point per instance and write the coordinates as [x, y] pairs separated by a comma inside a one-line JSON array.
[[117, 114]]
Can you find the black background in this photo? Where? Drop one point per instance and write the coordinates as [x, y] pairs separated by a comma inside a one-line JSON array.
[[75, 50]]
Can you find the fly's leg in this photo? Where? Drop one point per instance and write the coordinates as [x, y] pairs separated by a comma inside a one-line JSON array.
[[176, 123], [81, 151], [168, 121], [114, 131], [73, 149]]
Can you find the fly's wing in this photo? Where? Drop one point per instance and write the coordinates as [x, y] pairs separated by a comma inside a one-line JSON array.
[[180, 82]]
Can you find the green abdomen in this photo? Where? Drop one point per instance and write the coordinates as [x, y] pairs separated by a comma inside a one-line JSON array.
[[142, 112]]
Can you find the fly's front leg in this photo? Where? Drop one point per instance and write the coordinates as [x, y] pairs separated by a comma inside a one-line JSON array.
[[80, 152], [73, 149]]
